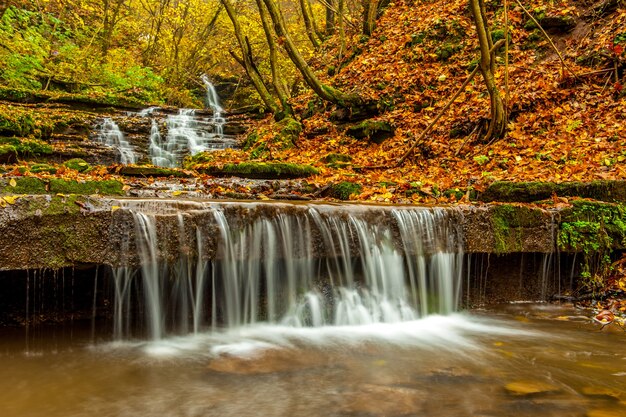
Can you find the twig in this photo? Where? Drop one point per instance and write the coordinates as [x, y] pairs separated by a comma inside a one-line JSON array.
[[547, 38], [469, 78], [466, 140]]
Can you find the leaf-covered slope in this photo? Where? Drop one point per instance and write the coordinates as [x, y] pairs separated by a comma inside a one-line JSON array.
[[561, 127]]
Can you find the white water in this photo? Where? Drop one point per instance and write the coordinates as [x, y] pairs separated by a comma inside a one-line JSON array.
[[313, 267], [189, 134], [111, 135]]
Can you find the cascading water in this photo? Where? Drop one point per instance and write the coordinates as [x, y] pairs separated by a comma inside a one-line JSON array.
[[213, 102], [305, 266], [187, 133], [111, 135]]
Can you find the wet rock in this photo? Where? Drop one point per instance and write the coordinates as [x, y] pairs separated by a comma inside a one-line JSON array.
[[603, 392], [523, 388], [371, 399], [603, 412], [264, 362]]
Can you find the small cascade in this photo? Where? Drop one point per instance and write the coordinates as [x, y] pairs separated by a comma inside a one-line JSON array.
[[213, 102], [308, 266], [110, 134], [157, 150]]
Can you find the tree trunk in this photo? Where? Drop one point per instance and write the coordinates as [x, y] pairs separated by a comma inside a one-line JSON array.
[[330, 17], [325, 92], [277, 79], [497, 124], [308, 23], [342, 28], [248, 64]]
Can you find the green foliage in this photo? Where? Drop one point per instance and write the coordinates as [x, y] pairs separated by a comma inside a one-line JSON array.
[[41, 51], [594, 229], [481, 159]]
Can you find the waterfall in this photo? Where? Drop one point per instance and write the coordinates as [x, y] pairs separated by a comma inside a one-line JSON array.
[[111, 135], [213, 102], [313, 265]]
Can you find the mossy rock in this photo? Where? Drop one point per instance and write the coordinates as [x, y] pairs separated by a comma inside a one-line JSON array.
[[39, 168], [337, 160], [16, 124], [590, 226], [260, 170], [200, 158], [509, 224], [557, 24], [77, 164], [150, 171], [290, 130], [30, 185], [92, 99], [374, 131], [343, 190], [527, 192], [24, 185]]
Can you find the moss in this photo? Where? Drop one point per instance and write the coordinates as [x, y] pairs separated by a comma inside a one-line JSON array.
[[25, 185], [261, 170], [508, 223], [595, 229], [445, 51], [343, 190], [92, 99], [375, 131], [20, 125], [25, 147], [250, 141], [337, 160], [38, 168], [31, 185], [77, 164], [527, 192], [290, 130]]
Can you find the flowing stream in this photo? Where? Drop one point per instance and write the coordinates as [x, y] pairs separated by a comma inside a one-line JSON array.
[[308, 310]]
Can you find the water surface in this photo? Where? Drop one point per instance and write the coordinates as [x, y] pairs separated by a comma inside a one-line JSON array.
[[519, 360]]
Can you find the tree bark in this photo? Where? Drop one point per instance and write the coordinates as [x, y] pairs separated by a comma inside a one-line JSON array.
[[308, 24], [497, 124], [330, 17], [277, 78], [248, 64], [325, 92], [342, 27]]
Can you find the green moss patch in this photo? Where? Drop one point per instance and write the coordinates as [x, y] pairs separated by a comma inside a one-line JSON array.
[[149, 171], [527, 192], [30, 185], [77, 164], [261, 170], [374, 131], [343, 190], [508, 224]]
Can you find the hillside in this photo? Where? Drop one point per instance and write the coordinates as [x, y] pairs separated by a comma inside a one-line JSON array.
[[562, 127], [565, 122]]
